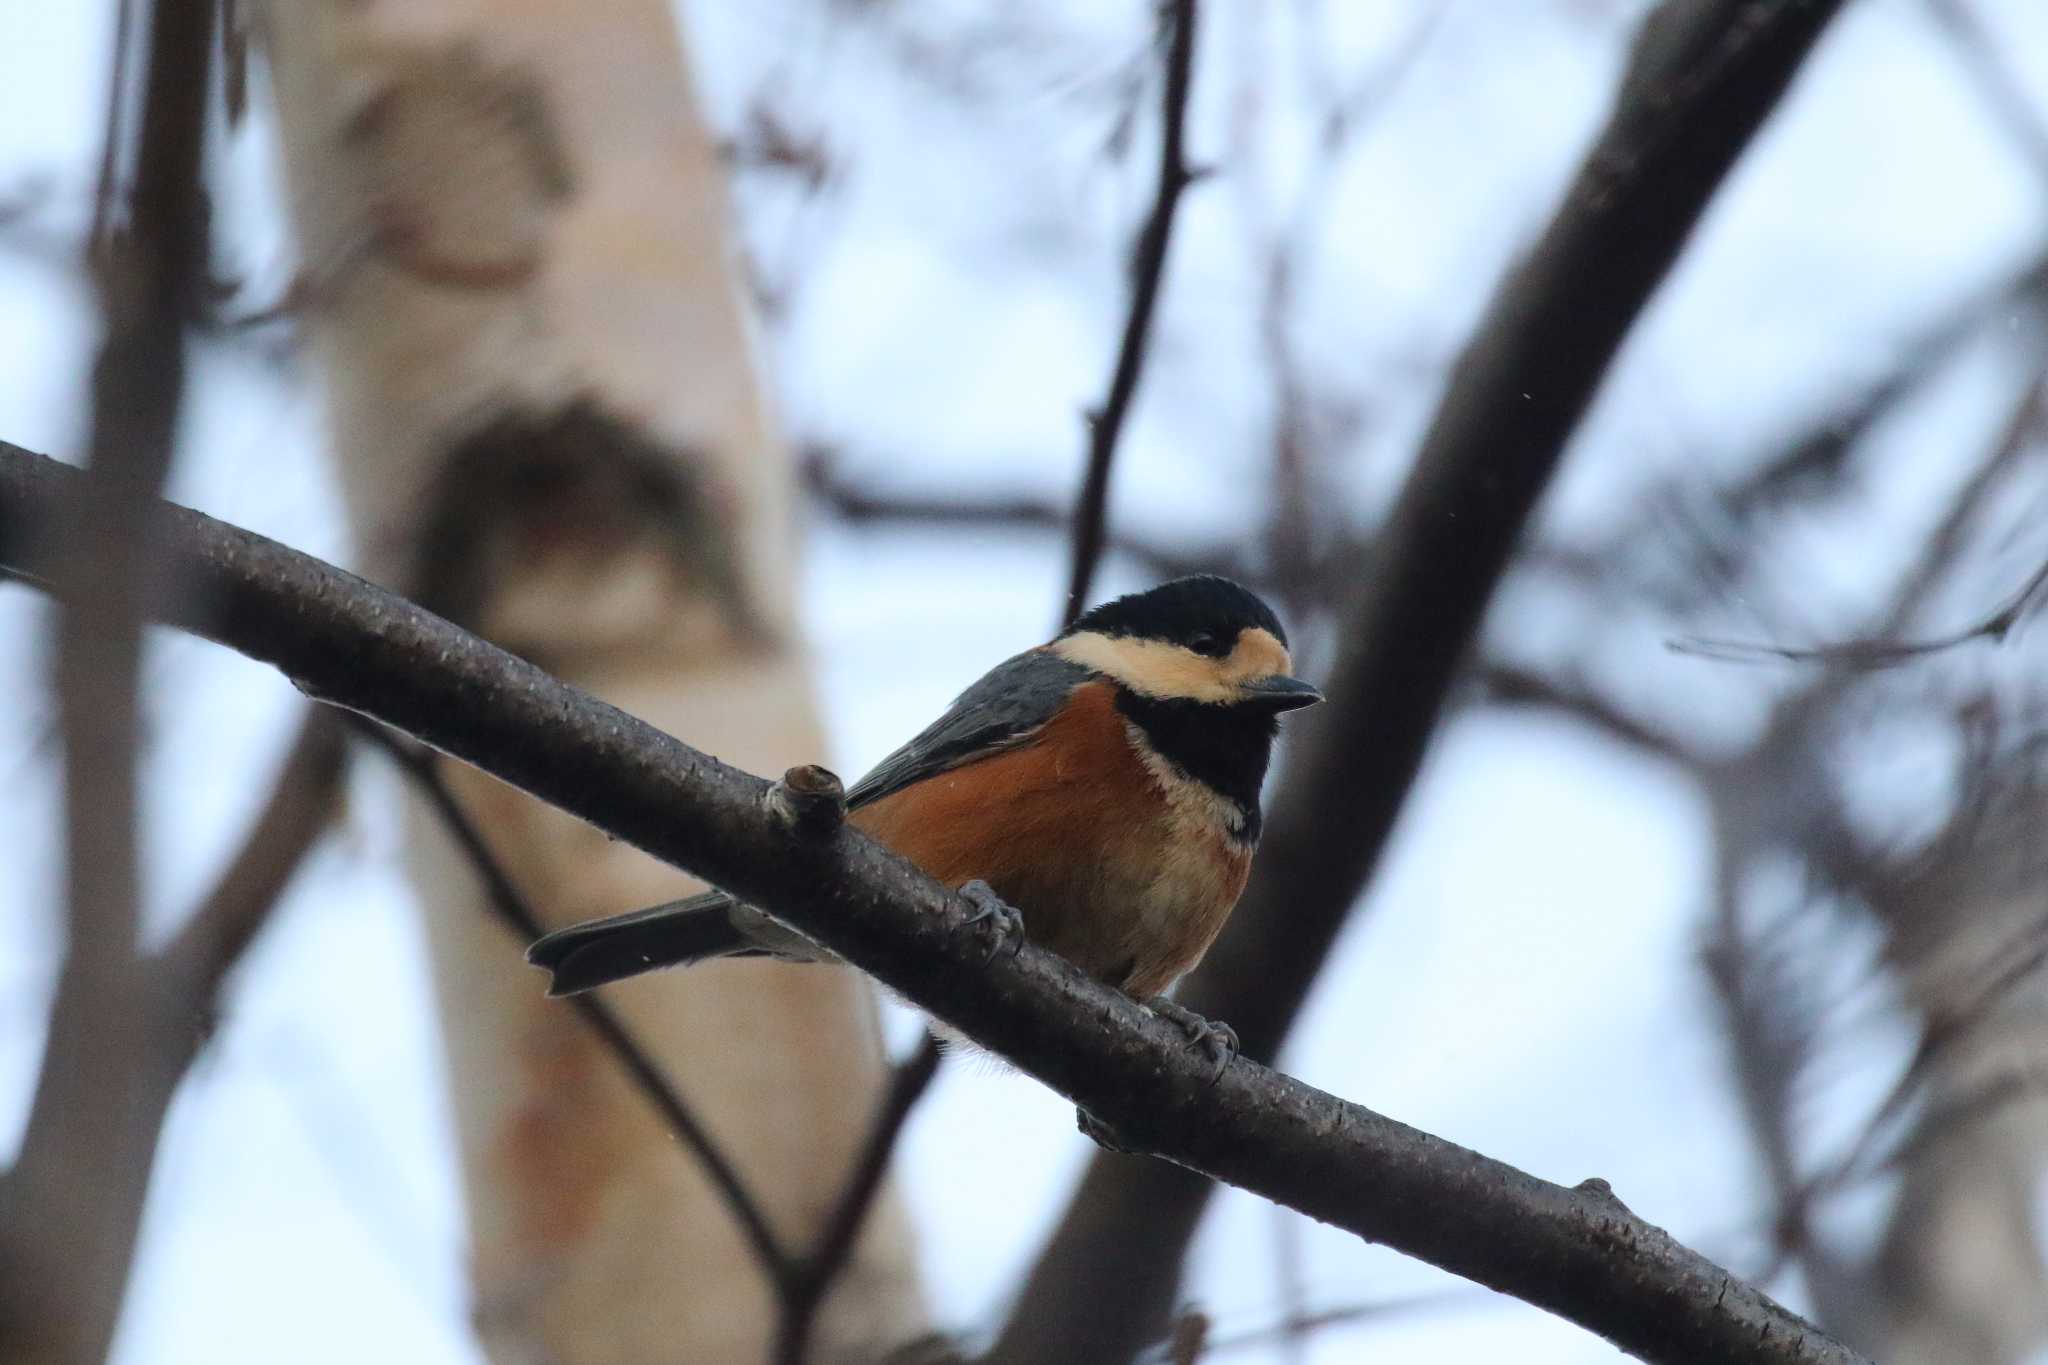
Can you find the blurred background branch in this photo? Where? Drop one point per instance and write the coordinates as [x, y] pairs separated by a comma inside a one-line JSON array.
[[121, 1027], [1105, 422]]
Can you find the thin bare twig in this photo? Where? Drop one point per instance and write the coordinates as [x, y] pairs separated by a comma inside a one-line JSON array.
[[812, 1279], [301, 804], [1695, 565], [1862, 1160], [1105, 424], [1988, 1097], [858, 506], [510, 906], [1865, 655], [1769, 1033], [1873, 654], [1966, 1004], [1302, 426], [1299, 1327]]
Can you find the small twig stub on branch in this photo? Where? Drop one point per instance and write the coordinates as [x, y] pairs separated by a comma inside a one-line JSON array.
[[808, 800]]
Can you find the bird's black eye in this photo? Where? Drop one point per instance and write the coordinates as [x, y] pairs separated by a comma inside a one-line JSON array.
[[1209, 643]]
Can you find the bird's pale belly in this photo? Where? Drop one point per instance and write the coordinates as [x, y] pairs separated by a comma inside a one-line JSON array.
[[1140, 883]]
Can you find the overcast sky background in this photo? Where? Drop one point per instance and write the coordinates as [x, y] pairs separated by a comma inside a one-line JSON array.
[[1526, 979]]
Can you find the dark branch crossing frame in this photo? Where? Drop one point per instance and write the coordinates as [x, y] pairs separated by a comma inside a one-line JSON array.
[[1576, 1251]]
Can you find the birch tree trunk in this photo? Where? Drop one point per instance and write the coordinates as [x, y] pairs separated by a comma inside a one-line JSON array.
[[1959, 1276], [550, 428]]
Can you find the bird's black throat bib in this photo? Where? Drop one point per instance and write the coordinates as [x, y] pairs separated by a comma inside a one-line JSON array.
[[1226, 748]]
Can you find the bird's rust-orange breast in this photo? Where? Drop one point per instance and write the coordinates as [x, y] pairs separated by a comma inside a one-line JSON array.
[[1076, 832]]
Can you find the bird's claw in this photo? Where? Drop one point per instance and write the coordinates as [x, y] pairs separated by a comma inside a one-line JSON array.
[[1214, 1037], [1006, 919]]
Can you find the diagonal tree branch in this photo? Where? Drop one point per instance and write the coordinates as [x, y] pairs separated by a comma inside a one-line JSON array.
[[1703, 77], [1575, 1251], [1106, 424], [301, 804]]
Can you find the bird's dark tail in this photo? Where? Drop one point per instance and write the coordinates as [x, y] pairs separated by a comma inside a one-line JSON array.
[[671, 935]]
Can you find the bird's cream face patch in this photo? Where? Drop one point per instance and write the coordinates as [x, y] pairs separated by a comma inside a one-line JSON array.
[[1155, 668]]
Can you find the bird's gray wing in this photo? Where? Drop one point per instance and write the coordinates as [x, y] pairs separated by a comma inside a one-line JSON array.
[[1006, 708]]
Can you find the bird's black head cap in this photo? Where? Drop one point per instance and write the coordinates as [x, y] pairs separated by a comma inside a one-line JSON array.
[[1203, 612]]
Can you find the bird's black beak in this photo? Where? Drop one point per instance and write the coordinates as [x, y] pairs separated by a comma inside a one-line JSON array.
[[1280, 693]]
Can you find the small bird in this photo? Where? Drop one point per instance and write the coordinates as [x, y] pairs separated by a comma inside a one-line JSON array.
[[1105, 784]]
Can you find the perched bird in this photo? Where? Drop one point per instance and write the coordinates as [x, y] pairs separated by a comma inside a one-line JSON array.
[[1106, 785]]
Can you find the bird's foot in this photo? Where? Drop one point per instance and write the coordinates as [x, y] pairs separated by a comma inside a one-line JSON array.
[[1214, 1037], [1098, 1132], [1005, 919]]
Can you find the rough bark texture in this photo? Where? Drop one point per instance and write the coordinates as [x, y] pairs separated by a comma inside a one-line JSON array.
[[550, 428], [1578, 1251]]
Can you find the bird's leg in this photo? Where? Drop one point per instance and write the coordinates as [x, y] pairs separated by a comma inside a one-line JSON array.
[[1217, 1039], [1214, 1037], [1006, 919]]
